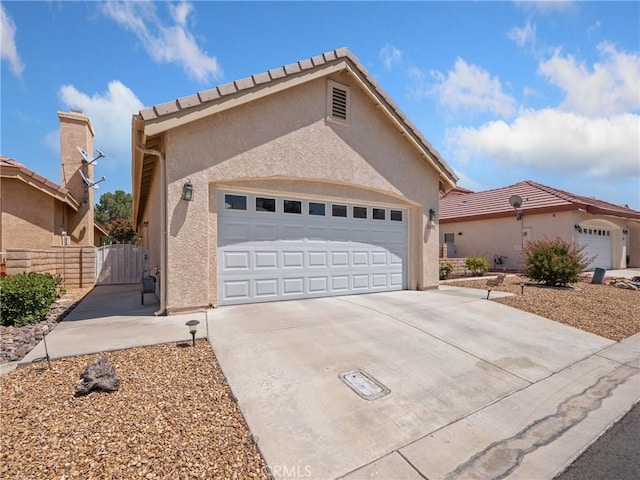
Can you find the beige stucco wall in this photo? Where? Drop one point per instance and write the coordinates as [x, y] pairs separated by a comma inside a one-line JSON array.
[[30, 217], [502, 236], [285, 137]]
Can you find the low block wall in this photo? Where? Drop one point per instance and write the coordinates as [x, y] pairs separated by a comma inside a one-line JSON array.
[[459, 266], [76, 265]]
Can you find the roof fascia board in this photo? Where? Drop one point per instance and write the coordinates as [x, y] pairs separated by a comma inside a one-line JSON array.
[[381, 103], [19, 175], [154, 127]]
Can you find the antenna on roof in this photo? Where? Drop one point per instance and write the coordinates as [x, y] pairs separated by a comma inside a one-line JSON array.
[[87, 159], [90, 183]]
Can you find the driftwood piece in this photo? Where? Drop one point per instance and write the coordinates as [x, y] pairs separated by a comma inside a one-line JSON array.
[[99, 375]]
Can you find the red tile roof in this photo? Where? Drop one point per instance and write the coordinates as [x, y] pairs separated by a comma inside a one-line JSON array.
[[537, 198]]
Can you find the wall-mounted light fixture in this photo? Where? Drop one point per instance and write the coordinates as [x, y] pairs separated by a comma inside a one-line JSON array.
[[625, 231], [433, 215], [459, 234], [187, 191], [577, 227]]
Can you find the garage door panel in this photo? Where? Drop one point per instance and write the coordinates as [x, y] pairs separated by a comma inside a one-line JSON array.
[[318, 285], [340, 283], [236, 260], [265, 232], [266, 260], [379, 280], [317, 259], [360, 282], [379, 258], [266, 287], [360, 259], [339, 259], [266, 256], [292, 233], [293, 286], [235, 290]]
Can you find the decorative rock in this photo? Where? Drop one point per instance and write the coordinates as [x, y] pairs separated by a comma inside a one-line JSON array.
[[99, 375]]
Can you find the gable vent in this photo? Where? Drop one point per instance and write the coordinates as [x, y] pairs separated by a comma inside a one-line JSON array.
[[338, 103]]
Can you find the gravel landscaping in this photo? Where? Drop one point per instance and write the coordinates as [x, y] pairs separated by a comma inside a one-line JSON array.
[[173, 417], [605, 310]]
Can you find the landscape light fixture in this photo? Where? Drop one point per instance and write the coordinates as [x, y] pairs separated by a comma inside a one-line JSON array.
[[187, 191], [433, 215], [489, 288], [522, 288], [193, 327]]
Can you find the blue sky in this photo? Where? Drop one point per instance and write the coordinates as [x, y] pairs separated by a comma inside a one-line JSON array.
[[505, 91]]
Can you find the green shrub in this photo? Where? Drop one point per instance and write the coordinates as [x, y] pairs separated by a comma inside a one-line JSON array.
[[476, 265], [445, 270], [554, 262], [27, 297]]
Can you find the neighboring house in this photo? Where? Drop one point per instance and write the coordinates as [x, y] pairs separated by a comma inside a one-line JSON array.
[[303, 181], [485, 223], [37, 213]]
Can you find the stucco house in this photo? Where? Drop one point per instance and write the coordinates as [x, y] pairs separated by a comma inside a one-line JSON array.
[[38, 213], [485, 223], [303, 181]]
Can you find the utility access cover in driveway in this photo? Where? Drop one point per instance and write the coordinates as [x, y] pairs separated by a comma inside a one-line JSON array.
[[364, 384]]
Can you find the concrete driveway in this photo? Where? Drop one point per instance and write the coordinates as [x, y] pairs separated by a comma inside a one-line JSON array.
[[475, 389]]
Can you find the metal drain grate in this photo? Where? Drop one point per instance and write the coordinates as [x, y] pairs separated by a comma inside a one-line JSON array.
[[364, 384]]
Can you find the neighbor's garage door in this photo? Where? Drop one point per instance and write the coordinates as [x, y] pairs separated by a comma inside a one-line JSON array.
[[597, 243], [276, 248]]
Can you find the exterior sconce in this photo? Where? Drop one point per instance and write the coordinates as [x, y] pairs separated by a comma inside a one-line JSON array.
[[193, 327], [625, 232], [433, 215], [577, 227], [187, 191], [459, 234]]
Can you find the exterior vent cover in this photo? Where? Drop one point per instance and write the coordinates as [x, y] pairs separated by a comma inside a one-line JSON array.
[[338, 103]]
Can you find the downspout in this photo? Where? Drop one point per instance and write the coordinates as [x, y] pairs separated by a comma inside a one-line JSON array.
[[163, 217]]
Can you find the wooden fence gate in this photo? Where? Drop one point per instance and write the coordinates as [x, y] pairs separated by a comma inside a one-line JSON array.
[[120, 263]]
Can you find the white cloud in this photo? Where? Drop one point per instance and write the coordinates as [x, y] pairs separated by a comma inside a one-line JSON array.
[[470, 88], [163, 42], [546, 6], [390, 55], [523, 36], [556, 141], [611, 87], [8, 49], [110, 114]]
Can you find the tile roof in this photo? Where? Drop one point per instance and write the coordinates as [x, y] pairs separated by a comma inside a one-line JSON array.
[[184, 106], [537, 198], [13, 168]]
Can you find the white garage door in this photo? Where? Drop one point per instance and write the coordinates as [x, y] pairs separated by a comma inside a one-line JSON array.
[[276, 248], [597, 243]]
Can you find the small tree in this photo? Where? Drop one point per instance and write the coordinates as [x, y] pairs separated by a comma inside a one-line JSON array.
[[113, 206], [554, 262], [121, 230], [477, 265]]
